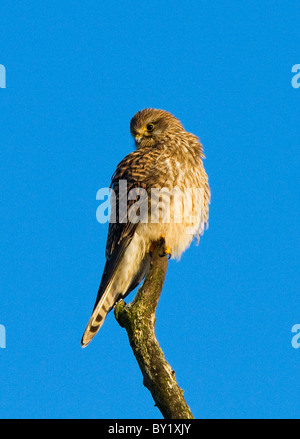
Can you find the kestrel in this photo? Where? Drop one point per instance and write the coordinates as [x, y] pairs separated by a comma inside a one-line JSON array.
[[167, 159]]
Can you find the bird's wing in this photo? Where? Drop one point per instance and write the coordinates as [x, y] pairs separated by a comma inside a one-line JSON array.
[[138, 169], [135, 169]]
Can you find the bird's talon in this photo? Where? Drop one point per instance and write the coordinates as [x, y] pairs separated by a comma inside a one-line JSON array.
[[167, 252]]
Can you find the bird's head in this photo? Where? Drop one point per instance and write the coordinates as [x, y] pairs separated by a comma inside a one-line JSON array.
[[150, 125]]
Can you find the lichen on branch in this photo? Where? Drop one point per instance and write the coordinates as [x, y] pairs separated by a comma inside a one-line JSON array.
[[138, 318]]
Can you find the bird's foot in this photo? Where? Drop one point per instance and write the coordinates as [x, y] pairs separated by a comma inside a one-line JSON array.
[[167, 253]]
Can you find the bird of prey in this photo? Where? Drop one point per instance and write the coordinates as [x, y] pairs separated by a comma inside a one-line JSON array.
[[166, 158]]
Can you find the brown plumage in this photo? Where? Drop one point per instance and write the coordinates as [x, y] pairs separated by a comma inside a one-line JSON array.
[[166, 157]]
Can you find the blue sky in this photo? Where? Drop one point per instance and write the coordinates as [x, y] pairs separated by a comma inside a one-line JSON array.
[[76, 73]]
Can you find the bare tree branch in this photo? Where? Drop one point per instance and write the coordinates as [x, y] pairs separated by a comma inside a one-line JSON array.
[[138, 318]]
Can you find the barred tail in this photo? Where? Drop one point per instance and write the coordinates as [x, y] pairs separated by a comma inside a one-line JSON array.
[[103, 306], [111, 290]]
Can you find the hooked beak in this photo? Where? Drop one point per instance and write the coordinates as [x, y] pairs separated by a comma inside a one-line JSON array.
[[139, 134]]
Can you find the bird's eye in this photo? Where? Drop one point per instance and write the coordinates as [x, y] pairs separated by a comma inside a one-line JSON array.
[[150, 127]]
